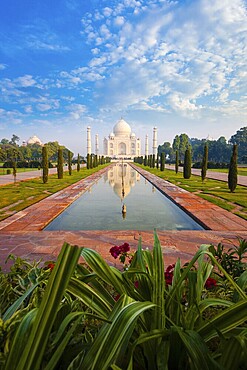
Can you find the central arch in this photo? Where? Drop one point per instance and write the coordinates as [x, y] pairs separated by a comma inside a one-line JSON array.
[[122, 149]]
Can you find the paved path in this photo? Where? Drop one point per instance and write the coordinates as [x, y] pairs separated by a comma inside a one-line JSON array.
[[242, 180], [20, 176]]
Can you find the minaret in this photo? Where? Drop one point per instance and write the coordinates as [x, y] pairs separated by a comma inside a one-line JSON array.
[[97, 144], [146, 146], [155, 140], [89, 148]]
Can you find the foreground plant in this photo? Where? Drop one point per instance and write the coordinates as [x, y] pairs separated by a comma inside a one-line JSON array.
[[171, 319]]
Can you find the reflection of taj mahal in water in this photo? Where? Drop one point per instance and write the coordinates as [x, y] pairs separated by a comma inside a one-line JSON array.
[[122, 178], [122, 142]]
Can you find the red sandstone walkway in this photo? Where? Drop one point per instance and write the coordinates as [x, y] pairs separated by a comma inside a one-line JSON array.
[[22, 235]]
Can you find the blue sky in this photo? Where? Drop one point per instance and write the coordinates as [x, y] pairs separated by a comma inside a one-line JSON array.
[[67, 64]]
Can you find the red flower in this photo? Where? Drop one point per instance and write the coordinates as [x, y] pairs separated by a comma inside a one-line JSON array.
[[115, 251], [210, 283], [51, 266], [125, 248], [169, 274]]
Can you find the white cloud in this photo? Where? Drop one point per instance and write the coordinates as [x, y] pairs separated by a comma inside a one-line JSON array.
[[28, 109], [119, 21], [3, 66], [107, 12], [177, 55], [44, 107], [25, 81], [77, 111]]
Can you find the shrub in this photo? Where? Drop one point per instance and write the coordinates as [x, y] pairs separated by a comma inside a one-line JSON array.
[[233, 170], [187, 164], [78, 163], [153, 161], [176, 162], [60, 164], [34, 164], [69, 162], [162, 161], [93, 316], [45, 164], [204, 163]]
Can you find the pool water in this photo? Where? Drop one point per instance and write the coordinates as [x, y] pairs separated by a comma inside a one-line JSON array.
[[100, 208]]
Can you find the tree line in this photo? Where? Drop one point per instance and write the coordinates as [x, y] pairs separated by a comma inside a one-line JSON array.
[[29, 155], [219, 151], [159, 162]]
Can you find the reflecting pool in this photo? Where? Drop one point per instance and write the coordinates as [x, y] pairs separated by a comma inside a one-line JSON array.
[[122, 189]]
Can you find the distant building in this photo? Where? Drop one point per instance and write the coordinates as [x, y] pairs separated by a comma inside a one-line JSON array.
[[209, 138], [34, 140], [122, 142]]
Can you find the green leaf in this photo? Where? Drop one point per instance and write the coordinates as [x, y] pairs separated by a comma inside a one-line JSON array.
[[17, 304], [197, 350], [35, 346], [20, 338], [62, 346], [89, 297], [227, 320], [113, 338], [158, 320], [234, 353], [110, 275]]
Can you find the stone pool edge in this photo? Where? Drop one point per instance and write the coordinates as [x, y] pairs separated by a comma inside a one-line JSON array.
[[23, 235]]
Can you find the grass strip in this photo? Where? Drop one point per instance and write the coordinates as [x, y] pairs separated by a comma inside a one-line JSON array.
[[33, 190], [214, 191]]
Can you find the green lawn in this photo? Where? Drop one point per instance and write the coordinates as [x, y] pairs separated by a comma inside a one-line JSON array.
[[25, 193], [241, 170], [216, 192], [3, 171]]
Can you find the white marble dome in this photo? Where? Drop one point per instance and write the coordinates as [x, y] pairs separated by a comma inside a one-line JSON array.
[[34, 140], [122, 128]]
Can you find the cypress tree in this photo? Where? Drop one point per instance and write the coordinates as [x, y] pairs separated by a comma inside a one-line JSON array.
[[145, 160], [88, 161], [233, 170], [60, 163], [45, 164], [94, 161], [78, 163], [91, 161], [14, 167], [204, 163], [69, 162], [157, 163], [162, 162], [187, 164], [177, 162], [153, 160]]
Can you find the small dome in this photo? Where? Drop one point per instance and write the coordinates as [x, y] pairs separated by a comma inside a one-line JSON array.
[[122, 128], [112, 134], [133, 135], [34, 140]]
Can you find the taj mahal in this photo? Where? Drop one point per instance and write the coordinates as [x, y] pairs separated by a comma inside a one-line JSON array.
[[122, 142]]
